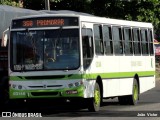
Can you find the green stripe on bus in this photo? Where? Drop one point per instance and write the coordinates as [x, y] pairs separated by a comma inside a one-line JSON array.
[[119, 75], [93, 76], [124, 74]]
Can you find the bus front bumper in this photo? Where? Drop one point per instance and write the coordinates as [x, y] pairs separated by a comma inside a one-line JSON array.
[[49, 93]]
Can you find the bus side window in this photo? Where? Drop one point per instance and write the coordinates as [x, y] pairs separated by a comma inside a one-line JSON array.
[[98, 38], [87, 50], [150, 40], [144, 41], [128, 48], [107, 35], [117, 40], [136, 41]]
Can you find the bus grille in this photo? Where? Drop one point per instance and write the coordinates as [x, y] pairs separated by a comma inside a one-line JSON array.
[[45, 86], [44, 93]]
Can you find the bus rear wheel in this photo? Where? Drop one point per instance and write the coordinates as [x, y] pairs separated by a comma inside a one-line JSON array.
[[94, 103], [131, 99]]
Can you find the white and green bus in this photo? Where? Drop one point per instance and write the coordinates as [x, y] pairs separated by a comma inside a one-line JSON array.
[[80, 57]]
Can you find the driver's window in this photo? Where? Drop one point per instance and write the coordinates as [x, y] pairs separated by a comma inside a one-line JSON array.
[[87, 46]]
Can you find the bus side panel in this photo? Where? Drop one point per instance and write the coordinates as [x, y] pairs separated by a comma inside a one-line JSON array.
[[146, 83], [117, 87]]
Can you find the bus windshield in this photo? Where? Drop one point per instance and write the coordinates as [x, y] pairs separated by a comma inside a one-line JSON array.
[[56, 49]]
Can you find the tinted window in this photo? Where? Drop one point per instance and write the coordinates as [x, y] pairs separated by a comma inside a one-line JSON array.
[[136, 41], [117, 40], [98, 39], [128, 47], [87, 47], [150, 39], [107, 33], [144, 41]]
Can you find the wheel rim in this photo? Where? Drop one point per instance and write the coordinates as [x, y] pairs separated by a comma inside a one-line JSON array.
[[135, 93], [97, 97]]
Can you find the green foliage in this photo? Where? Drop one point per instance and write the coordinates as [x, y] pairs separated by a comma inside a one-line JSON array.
[[136, 10], [149, 11], [10, 2], [34, 4]]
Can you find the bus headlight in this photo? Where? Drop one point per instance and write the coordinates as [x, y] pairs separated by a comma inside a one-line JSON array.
[[17, 87], [76, 84], [14, 86], [70, 85]]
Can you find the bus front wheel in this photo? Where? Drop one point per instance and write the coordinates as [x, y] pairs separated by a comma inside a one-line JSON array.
[[94, 103]]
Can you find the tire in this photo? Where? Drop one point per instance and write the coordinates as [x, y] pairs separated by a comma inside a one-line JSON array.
[[94, 103], [131, 99]]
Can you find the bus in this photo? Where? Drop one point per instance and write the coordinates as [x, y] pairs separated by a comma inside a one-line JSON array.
[[80, 57]]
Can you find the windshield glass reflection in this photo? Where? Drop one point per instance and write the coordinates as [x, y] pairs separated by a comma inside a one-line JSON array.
[[45, 50]]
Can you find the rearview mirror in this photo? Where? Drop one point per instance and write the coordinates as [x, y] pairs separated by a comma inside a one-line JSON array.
[[4, 38]]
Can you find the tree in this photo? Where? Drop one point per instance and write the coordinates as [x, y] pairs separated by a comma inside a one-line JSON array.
[[136, 10], [10, 2], [34, 4], [76, 5], [149, 11]]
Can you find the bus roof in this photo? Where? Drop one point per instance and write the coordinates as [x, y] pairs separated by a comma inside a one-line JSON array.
[[91, 18], [68, 12], [115, 22]]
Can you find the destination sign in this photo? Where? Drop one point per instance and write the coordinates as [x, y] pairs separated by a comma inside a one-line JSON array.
[[45, 22]]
